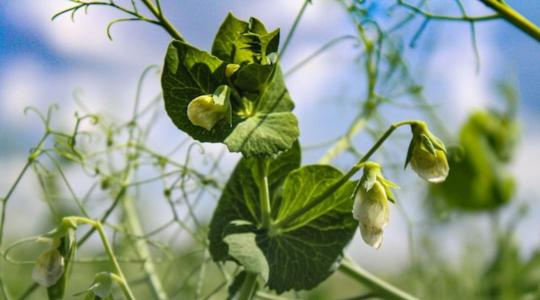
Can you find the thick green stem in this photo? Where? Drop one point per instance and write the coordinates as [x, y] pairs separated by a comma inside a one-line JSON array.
[[264, 194], [514, 17], [142, 249], [249, 287], [334, 187], [381, 287]]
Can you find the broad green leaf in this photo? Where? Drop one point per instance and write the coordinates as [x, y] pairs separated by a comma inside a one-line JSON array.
[[244, 42], [264, 134], [242, 245], [189, 73], [276, 98], [253, 77], [307, 251], [225, 42], [240, 198]]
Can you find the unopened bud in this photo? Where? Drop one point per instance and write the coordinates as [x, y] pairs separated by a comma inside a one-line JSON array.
[[427, 155], [204, 112], [230, 69]]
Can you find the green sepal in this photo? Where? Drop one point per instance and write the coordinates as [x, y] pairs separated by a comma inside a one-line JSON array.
[[426, 144], [369, 178], [222, 96], [409, 151]]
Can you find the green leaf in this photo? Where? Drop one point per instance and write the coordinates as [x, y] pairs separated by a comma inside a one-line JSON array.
[[189, 73], [264, 134], [253, 77], [240, 198], [479, 180], [243, 42], [225, 43], [306, 252], [243, 248]]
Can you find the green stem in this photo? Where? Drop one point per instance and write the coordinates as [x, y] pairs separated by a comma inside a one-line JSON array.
[[514, 17], [334, 187], [293, 28], [31, 158], [264, 194], [164, 22], [142, 249], [381, 287], [249, 287], [110, 253]]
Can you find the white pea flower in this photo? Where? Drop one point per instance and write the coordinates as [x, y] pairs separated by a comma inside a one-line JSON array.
[[49, 268], [204, 112], [371, 207], [427, 154]]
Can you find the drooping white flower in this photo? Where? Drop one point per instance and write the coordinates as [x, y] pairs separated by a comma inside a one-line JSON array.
[[371, 207], [204, 112], [49, 268], [427, 155]]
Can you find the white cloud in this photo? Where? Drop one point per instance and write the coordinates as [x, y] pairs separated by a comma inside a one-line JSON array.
[[86, 39], [453, 80]]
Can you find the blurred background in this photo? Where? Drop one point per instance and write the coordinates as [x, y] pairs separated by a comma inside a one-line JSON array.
[[480, 243]]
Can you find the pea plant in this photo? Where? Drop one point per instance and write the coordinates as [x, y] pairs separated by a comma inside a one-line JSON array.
[[278, 226]]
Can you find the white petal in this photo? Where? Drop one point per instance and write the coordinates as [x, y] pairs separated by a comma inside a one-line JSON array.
[[49, 268], [372, 236]]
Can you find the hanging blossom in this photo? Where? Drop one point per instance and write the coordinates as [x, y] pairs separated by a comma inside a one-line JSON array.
[[371, 207], [427, 154]]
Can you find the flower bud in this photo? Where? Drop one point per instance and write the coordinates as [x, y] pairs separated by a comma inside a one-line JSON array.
[[371, 207], [427, 154], [230, 69], [49, 268], [204, 112]]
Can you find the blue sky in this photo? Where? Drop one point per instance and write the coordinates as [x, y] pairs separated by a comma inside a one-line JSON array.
[[42, 62]]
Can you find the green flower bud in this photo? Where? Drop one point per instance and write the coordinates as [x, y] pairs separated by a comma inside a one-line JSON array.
[[204, 112], [230, 69], [427, 154], [371, 207], [49, 268]]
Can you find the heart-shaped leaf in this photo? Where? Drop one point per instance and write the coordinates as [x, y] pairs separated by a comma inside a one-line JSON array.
[[269, 128], [306, 252]]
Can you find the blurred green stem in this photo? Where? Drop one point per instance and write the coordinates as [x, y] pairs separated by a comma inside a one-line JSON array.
[[249, 287], [293, 28], [514, 17], [381, 287], [142, 249], [108, 249]]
